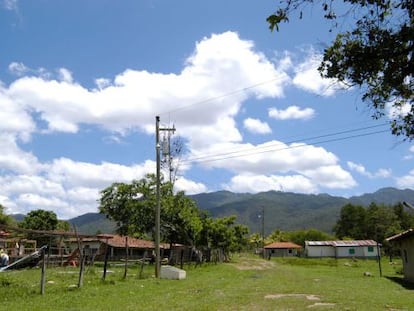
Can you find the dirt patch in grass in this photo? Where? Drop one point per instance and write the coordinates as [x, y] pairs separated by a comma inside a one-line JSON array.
[[306, 296], [253, 264]]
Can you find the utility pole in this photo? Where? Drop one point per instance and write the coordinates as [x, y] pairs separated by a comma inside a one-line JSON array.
[[158, 206]]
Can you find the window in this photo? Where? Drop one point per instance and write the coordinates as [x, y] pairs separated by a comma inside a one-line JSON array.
[[352, 251], [370, 249]]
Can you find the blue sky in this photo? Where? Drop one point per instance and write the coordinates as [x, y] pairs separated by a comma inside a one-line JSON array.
[[82, 81]]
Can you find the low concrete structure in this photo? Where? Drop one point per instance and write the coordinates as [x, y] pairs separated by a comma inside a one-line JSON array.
[[172, 273]]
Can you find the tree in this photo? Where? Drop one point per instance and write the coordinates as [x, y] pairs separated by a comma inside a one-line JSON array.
[[63, 225], [180, 220], [240, 240], [300, 236], [132, 206], [351, 222], [40, 220], [381, 222], [223, 235], [376, 55], [5, 219], [405, 218]]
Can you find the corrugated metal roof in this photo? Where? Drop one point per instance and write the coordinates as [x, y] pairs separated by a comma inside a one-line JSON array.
[[342, 243], [283, 245], [402, 235]]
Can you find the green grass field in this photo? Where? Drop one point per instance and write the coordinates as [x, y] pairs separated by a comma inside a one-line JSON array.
[[247, 283]]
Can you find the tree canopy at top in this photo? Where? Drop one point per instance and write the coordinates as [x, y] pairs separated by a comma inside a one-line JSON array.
[[376, 55]]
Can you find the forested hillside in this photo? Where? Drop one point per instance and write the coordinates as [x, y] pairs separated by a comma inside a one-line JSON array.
[[282, 210]]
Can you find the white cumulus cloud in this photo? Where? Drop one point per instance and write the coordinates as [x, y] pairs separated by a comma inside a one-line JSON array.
[[256, 126], [292, 112]]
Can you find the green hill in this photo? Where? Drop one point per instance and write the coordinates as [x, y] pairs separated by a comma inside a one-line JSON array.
[[291, 211], [282, 210]]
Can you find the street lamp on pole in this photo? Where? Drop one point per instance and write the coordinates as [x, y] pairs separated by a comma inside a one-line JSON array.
[[406, 204], [262, 216], [157, 208]]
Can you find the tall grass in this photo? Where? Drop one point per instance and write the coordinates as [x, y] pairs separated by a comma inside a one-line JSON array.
[[247, 283]]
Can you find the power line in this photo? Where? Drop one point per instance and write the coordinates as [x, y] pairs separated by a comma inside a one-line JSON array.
[[210, 99], [273, 147]]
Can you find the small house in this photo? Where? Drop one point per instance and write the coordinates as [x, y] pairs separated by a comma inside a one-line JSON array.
[[115, 245], [342, 249], [118, 245], [405, 242], [281, 249]]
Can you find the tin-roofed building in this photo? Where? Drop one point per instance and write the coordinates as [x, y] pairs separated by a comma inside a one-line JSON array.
[[342, 249]]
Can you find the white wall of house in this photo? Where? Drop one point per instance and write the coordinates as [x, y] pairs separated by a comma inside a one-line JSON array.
[[407, 256], [319, 251], [356, 251], [280, 252]]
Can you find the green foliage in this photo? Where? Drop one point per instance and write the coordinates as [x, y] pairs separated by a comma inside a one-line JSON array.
[[375, 55], [180, 219], [132, 206], [376, 222], [351, 222], [299, 237], [40, 220], [63, 225], [5, 219]]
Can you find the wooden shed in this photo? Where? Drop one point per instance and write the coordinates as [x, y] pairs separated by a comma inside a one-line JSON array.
[[405, 242], [281, 249], [342, 249]]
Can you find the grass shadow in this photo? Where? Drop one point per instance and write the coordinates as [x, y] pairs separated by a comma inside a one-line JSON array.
[[404, 283]]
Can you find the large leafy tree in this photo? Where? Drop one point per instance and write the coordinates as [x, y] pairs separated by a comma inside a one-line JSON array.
[[382, 222], [133, 205], [41, 220], [404, 216], [225, 234], [375, 54], [376, 222], [180, 219], [351, 222]]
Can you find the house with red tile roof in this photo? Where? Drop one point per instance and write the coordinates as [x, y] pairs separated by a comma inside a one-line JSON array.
[[281, 249]]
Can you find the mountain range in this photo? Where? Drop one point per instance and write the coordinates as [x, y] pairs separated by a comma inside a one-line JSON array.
[[281, 210]]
